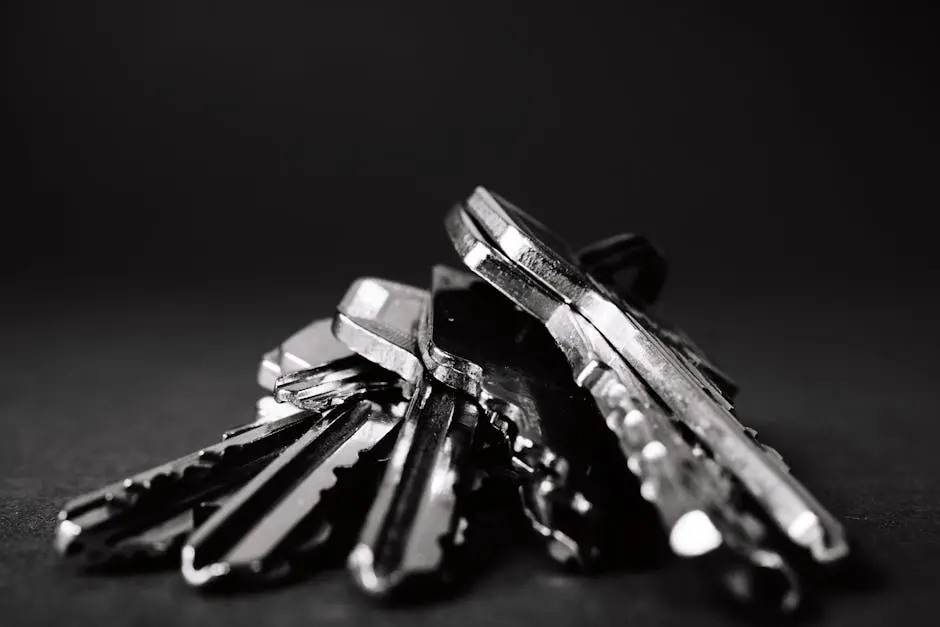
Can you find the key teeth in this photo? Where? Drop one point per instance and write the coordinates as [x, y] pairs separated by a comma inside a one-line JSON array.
[[71, 545], [381, 584], [216, 572], [129, 493], [773, 453]]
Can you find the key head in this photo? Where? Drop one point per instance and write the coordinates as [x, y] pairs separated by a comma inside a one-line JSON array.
[[475, 340], [685, 388], [588, 279], [377, 319], [314, 346]]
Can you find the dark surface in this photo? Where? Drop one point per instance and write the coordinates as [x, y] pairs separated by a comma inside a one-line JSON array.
[[189, 182], [126, 381]]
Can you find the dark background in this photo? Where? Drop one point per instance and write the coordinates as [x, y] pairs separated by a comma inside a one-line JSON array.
[[189, 182]]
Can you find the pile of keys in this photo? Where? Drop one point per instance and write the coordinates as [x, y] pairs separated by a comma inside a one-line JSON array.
[[394, 426]]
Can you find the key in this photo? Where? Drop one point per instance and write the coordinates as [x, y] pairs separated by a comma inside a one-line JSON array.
[[313, 370], [697, 503], [282, 518], [147, 516], [312, 346], [266, 410], [693, 498], [475, 341], [414, 520], [328, 369], [693, 398], [416, 516], [242, 541], [376, 319]]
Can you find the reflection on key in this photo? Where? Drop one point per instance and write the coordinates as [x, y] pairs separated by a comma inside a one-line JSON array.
[[414, 519], [256, 534]]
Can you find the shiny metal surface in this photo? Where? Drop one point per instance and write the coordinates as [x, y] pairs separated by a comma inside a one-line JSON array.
[[690, 493], [312, 347], [414, 519], [120, 521], [256, 534], [474, 340], [694, 399], [313, 370], [376, 319], [415, 516], [695, 499], [266, 410], [147, 516]]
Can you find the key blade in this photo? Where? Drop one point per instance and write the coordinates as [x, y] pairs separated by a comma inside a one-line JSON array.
[[414, 514], [95, 528], [690, 395], [312, 347], [335, 373], [162, 540], [376, 319], [330, 393], [474, 340], [675, 481], [267, 410], [314, 350], [692, 497], [254, 534]]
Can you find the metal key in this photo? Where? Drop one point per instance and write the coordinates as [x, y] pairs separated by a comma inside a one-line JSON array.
[[694, 498], [313, 370], [148, 515], [475, 341], [329, 371], [311, 347], [273, 524], [415, 518], [672, 375]]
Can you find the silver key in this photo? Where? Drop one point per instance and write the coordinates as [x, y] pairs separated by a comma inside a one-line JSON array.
[[313, 370], [691, 395], [315, 356], [311, 347], [415, 518], [259, 532], [692, 495], [148, 515], [475, 341], [266, 410]]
